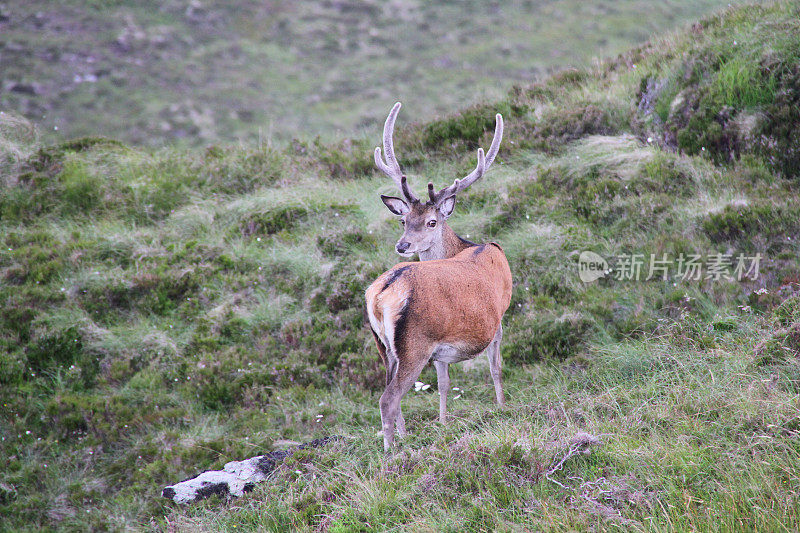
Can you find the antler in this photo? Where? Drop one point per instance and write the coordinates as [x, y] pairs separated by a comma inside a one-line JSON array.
[[483, 165], [390, 167]]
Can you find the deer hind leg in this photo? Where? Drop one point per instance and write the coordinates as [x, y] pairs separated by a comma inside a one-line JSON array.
[[391, 369], [390, 365], [381, 351], [401, 422], [401, 383], [443, 383], [495, 365]]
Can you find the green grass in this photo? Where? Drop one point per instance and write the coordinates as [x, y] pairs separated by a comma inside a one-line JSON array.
[[680, 430], [740, 84], [167, 310]]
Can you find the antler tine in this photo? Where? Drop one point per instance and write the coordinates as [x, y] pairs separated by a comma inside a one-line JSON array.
[[498, 136], [483, 163], [388, 143], [391, 167], [407, 192], [380, 164], [458, 184]]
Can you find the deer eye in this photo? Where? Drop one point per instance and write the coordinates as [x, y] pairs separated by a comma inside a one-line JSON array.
[[402, 222], [431, 223]]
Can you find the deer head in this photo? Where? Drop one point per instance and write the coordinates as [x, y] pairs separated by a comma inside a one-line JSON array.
[[425, 230]]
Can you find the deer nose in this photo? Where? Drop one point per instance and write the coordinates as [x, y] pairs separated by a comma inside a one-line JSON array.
[[402, 246]]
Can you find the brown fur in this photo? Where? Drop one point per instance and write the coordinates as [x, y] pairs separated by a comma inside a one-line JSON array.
[[454, 304], [447, 308]]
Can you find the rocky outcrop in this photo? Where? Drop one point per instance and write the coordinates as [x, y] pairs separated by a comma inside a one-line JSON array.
[[236, 477]]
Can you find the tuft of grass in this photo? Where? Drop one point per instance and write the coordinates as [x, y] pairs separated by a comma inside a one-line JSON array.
[[741, 84], [751, 227]]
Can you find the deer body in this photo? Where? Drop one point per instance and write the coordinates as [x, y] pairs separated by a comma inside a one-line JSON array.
[[448, 307], [445, 311]]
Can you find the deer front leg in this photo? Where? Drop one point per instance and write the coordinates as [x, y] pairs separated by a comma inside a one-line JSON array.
[[495, 365], [443, 382]]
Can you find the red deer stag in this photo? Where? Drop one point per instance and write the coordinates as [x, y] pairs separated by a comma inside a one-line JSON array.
[[446, 308]]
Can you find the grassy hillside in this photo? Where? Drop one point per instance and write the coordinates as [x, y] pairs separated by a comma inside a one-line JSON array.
[[195, 72], [167, 311]]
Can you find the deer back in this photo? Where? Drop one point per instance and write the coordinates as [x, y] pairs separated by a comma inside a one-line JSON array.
[[457, 301]]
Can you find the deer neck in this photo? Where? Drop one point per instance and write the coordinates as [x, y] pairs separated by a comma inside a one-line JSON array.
[[450, 245]]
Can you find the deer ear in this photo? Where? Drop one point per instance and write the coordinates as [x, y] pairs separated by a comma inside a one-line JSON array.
[[447, 205], [395, 205]]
